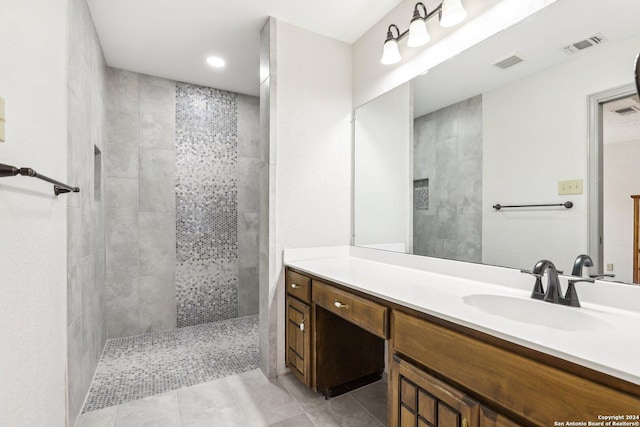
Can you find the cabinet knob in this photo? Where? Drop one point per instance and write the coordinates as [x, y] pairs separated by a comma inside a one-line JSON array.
[[341, 305], [294, 286]]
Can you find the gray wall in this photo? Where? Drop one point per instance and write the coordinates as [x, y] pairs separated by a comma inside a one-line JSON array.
[[248, 203], [141, 208], [142, 295], [86, 325], [448, 152]]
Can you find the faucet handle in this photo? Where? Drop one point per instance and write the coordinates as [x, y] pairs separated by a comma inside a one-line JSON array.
[[600, 276], [571, 296], [531, 273], [538, 290]]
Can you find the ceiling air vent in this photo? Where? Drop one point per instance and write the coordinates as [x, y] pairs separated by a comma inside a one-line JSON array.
[[626, 111], [509, 61], [584, 44]]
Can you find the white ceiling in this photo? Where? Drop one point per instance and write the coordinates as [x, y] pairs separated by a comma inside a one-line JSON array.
[[172, 38]]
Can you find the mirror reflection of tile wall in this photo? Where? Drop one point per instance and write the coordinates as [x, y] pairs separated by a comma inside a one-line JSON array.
[[447, 152]]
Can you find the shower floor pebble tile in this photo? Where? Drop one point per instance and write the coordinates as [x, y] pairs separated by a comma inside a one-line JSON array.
[[134, 368]]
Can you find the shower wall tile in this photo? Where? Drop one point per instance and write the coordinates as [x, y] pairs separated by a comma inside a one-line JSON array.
[[122, 92], [122, 140], [122, 279], [249, 163], [248, 230], [89, 322], [469, 238], [206, 203], [248, 126], [76, 391], [470, 188], [86, 214], [157, 180], [124, 323], [77, 135], [157, 112], [157, 303], [248, 177], [158, 249], [141, 221], [248, 292], [74, 277], [86, 130], [424, 163], [447, 122], [121, 212], [143, 212], [470, 119], [448, 151]]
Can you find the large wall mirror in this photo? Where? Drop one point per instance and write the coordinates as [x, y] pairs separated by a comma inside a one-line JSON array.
[[545, 112]]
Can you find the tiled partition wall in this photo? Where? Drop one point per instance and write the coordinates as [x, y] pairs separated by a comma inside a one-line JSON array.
[[448, 153], [86, 316], [173, 167]]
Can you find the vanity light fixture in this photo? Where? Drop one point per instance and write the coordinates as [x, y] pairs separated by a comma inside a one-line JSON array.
[[450, 12]]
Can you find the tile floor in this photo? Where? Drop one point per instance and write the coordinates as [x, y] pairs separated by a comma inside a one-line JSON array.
[[247, 399], [136, 367]]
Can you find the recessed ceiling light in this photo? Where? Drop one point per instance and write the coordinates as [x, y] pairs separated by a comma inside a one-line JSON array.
[[216, 62]]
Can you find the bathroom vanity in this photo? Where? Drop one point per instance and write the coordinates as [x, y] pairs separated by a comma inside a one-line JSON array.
[[449, 363]]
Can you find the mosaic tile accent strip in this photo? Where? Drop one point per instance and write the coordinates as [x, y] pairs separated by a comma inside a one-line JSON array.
[[132, 368], [206, 204], [421, 194]]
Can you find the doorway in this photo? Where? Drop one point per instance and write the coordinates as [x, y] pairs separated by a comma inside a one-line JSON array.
[[614, 143]]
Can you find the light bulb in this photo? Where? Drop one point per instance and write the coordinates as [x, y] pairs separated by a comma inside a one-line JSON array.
[[390, 52], [418, 34], [452, 13]]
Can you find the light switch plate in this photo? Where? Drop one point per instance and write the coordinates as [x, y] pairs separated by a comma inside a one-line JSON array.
[[570, 187]]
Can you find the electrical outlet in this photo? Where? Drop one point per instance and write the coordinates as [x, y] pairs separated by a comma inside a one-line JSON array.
[[570, 187], [609, 267]]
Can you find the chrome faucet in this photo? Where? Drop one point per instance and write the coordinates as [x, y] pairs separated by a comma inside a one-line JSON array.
[[553, 293]]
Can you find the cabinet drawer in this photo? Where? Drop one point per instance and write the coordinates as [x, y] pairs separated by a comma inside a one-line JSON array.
[[529, 389], [364, 313], [298, 286]]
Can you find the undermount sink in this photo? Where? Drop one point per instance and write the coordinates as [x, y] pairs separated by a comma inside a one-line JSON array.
[[537, 312]]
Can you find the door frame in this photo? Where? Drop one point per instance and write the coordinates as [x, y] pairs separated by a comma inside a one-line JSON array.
[[594, 156]]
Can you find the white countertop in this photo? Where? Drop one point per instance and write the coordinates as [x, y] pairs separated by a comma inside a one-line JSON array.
[[603, 338]]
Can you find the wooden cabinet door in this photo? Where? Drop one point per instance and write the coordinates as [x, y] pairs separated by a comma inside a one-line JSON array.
[[420, 400], [298, 339], [488, 418]]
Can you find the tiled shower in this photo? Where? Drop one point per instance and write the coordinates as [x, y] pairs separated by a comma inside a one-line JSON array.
[[447, 186], [165, 230], [182, 214]]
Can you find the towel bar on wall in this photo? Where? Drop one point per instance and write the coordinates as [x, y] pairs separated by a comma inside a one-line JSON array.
[[58, 187], [567, 205]]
